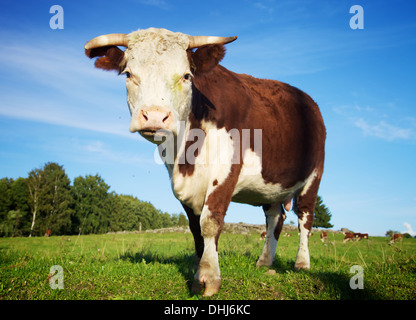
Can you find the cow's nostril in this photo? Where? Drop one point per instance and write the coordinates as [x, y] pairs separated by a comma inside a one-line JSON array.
[[145, 117], [166, 118]]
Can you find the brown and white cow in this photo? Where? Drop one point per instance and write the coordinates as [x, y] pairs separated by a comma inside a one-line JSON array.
[[223, 136], [395, 237], [263, 235], [349, 236], [359, 236], [324, 236]]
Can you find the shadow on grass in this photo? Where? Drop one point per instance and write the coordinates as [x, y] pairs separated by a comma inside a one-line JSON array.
[[321, 283], [335, 283], [184, 263]]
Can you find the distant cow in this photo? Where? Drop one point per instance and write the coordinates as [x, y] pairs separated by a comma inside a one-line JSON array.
[[48, 233], [348, 236], [263, 235], [359, 236], [324, 236], [223, 137], [395, 237]]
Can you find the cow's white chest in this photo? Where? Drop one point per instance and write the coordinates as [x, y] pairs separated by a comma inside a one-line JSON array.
[[210, 168]]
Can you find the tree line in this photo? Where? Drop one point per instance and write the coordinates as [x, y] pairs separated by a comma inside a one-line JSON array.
[[46, 202]]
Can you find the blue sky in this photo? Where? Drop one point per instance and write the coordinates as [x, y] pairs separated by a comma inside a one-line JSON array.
[[55, 106]]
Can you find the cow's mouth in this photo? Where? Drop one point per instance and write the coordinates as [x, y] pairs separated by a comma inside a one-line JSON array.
[[148, 132], [154, 135]]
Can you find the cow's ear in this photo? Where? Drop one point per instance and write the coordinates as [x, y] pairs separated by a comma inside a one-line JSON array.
[[111, 57], [207, 57]]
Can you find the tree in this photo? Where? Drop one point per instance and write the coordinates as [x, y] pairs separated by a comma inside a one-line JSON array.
[[13, 207], [19, 207], [183, 222], [5, 205], [57, 200], [49, 200], [92, 204], [5, 197], [390, 233], [129, 213], [34, 185], [45, 200], [322, 215], [125, 214]]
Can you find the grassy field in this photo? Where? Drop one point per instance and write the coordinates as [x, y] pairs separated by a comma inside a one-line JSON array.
[[159, 266]]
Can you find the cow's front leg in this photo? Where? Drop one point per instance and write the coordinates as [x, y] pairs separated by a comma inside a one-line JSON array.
[[208, 274], [195, 226]]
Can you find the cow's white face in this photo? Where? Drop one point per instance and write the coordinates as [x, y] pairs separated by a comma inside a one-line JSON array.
[[158, 81], [159, 74]]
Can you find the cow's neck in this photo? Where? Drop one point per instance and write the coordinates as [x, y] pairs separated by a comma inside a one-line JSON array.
[[174, 149]]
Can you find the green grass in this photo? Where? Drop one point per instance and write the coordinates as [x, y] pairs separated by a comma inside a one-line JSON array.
[[160, 266]]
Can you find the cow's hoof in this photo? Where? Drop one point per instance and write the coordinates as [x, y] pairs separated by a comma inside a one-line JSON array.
[[197, 287], [212, 288], [302, 266], [261, 263]]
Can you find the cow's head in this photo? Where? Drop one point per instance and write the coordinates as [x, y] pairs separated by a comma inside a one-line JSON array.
[[159, 66]]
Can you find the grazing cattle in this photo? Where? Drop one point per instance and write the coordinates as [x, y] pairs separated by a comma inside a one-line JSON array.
[[395, 237], [348, 236], [48, 233], [359, 236], [222, 136], [263, 235], [324, 236]]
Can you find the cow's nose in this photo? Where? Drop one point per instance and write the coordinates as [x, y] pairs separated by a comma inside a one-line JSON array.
[[154, 118]]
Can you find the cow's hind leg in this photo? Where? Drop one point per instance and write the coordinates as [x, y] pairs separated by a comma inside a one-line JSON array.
[[274, 222], [304, 208]]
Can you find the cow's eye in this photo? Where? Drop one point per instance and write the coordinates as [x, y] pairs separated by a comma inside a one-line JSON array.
[[187, 76], [127, 73]]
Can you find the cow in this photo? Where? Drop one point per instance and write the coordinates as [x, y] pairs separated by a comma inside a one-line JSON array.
[[48, 233], [395, 237], [359, 236], [324, 236], [349, 236], [263, 235], [222, 136]]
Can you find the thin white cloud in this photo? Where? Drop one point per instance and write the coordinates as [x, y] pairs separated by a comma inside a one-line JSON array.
[[99, 151], [409, 229], [57, 84], [61, 114], [384, 130]]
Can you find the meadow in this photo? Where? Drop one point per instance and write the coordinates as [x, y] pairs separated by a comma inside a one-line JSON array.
[[160, 266]]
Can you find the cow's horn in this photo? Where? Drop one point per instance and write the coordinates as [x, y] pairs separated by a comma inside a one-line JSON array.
[[112, 39], [199, 41]]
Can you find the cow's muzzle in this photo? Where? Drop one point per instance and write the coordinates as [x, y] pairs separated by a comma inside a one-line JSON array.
[[151, 121]]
